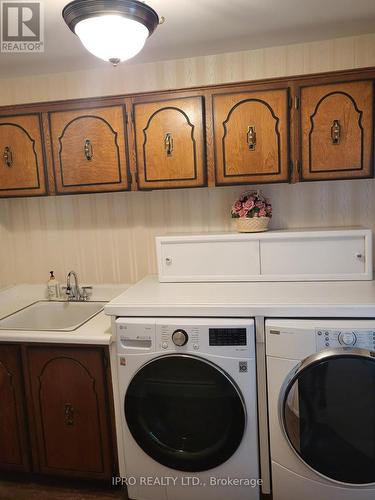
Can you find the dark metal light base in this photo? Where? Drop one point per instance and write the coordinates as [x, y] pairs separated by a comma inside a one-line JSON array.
[[78, 10]]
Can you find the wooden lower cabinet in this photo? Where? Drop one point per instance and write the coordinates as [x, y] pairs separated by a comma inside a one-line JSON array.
[[71, 411], [56, 413], [13, 434]]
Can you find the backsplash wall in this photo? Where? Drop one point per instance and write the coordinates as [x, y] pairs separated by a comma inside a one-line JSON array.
[[110, 237]]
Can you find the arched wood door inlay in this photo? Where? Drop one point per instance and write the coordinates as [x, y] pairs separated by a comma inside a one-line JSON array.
[[10, 442], [236, 156], [63, 380], [89, 149], [332, 110], [251, 136], [348, 155], [23, 174], [170, 143], [104, 140], [181, 165]]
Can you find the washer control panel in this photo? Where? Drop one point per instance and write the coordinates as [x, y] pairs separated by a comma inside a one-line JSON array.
[[229, 337], [328, 338], [173, 337], [180, 337], [232, 337]]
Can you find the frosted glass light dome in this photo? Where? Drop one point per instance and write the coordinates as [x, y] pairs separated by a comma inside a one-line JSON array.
[[113, 30], [112, 38]]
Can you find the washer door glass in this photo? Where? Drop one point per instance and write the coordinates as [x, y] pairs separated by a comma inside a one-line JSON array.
[[185, 413], [329, 417]]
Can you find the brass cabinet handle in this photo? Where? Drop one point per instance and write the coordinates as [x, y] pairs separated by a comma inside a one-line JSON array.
[[69, 414], [168, 144], [89, 153], [336, 132], [251, 138], [8, 156]]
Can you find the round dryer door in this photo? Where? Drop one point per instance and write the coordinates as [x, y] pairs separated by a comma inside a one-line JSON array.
[[184, 412], [328, 413]]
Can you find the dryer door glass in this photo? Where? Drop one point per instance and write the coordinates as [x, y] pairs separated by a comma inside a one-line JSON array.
[[328, 413], [185, 413]]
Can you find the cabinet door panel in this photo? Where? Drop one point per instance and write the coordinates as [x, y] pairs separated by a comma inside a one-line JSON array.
[[13, 438], [337, 130], [89, 150], [170, 143], [251, 137], [22, 162], [68, 392]]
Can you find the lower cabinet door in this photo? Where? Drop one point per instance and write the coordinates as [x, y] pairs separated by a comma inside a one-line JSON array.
[[68, 387], [13, 434]]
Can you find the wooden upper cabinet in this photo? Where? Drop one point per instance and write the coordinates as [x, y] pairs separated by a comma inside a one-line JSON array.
[[251, 137], [170, 145], [89, 149], [22, 160], [337, 130], [71, 411], [13, 437]]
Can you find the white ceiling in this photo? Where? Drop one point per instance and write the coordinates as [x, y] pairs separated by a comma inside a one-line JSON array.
[[199, 27]]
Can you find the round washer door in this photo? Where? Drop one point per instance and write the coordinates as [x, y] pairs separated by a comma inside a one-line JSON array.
[[184, 412], [327, 409]]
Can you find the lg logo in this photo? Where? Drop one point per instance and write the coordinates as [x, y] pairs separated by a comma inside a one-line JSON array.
[[22, 26]]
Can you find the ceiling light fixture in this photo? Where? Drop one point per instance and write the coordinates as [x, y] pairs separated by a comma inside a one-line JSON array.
[[113, 30]]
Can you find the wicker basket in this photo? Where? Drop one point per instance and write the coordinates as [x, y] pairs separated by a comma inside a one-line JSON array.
[[252, 225]]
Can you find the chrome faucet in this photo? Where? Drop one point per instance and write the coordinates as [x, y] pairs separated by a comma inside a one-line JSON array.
[[74, 292]]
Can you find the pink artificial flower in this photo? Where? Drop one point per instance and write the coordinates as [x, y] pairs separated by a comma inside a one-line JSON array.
[[237, 207], [243, 212], [260, 204], [249, 204], [262, 213]]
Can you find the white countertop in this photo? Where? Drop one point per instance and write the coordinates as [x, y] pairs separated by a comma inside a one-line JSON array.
[[271, 299], [95, 331]]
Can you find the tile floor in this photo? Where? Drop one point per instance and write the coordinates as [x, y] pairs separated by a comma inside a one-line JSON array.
[[13, 490]]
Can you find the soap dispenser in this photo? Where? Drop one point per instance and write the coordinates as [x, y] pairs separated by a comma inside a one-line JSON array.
[[53, 287]]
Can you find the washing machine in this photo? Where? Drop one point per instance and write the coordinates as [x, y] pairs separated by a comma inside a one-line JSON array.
[[189, 408], [321, 396]]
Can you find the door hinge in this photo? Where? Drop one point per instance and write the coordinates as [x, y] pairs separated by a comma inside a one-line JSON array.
[[126, 117], [291, 170], [135, 177], [296, 102], [290, 102]]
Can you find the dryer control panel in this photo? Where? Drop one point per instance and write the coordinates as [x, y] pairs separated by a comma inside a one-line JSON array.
[[327, 338]]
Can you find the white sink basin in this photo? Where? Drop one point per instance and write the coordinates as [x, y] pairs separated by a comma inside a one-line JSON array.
[[46, 315]]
